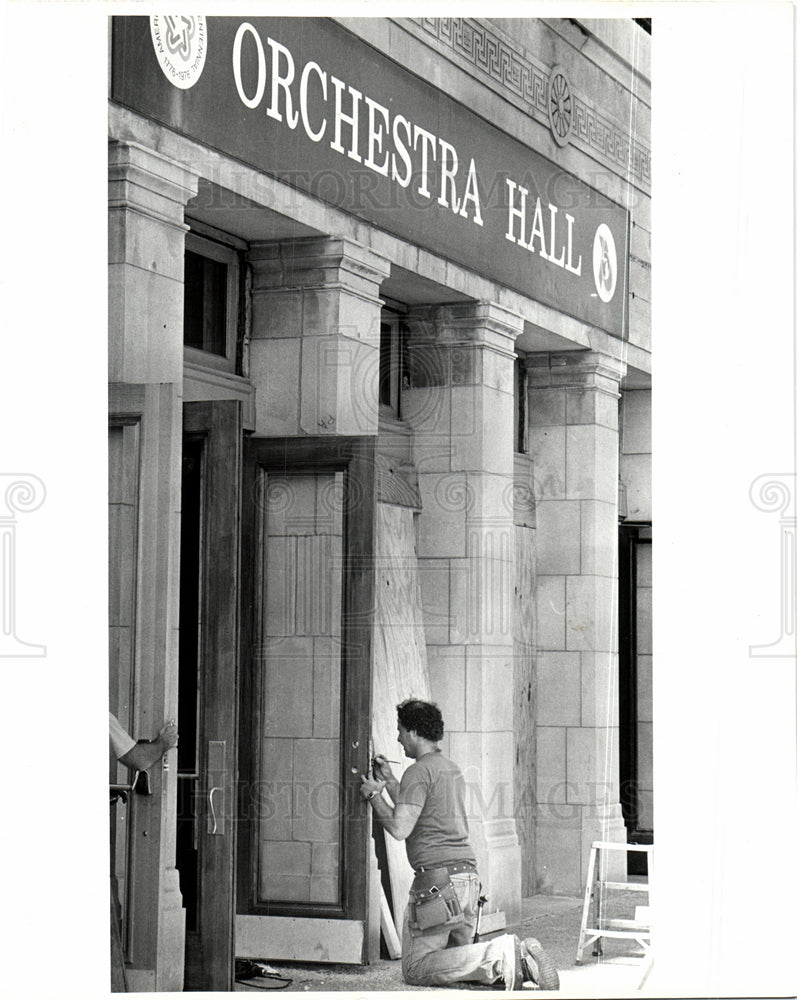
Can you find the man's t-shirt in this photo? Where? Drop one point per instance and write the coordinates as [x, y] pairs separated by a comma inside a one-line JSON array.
[[441, 833]]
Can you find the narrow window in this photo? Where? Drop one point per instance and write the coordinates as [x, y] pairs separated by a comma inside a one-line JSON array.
[[392, 375], [210, 305], [520, 434]]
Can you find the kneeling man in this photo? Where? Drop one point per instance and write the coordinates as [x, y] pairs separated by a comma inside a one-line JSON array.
[[440, 920]]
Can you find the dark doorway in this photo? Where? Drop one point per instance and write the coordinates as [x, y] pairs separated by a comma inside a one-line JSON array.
[[635, 668], [187, 775]]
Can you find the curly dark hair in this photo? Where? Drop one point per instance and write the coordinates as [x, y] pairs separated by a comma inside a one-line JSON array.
[[421, 717]]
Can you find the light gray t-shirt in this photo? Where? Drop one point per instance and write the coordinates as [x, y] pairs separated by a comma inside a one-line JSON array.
[[441, 833]]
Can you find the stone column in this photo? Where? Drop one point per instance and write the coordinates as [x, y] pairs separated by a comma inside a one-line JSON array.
[[147, 196], [573, 441], [460, 407], [314, 355]]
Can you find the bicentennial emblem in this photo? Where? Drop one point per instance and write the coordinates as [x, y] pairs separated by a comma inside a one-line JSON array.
[[180, 45]]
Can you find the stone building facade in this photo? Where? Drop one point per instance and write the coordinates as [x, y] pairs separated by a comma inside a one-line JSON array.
[[379, 375]]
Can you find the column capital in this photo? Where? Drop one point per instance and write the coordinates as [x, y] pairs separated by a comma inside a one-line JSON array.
[[148, 182], [322, 293], [575, 370], [318, 262], [477, 323]]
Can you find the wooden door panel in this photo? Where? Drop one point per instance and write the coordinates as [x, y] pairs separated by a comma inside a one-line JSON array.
[[218, 426], [304, 841]]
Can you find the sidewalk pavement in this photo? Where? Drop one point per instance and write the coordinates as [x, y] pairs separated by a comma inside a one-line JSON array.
[[554, 920]]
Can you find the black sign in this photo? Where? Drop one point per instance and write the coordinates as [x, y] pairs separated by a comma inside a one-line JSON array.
[[307, 102]]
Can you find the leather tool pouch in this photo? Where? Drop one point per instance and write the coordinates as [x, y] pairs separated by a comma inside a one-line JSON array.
[[433, 901]]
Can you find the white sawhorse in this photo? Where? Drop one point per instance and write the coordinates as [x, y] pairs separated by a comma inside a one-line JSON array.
[[636, 930]]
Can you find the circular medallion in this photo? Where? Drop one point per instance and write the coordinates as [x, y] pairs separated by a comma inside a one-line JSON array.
[[560, 106], [180, 45], [604, 262]]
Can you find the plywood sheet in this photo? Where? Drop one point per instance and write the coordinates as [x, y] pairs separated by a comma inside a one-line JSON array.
[[525, 698], [400, 666]]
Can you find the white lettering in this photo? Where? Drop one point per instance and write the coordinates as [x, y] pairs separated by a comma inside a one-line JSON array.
[[395, 146], [472, 194], [375, 136], [352, 120], [559, 263], [261, 65], [428, 141], [280, 82], [519, 213], [537, 230], [401, 122], [569, 265], [311, 67], [448, 174]]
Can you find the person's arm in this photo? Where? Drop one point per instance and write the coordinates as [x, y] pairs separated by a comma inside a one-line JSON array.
[[398, 820], [143, 755]]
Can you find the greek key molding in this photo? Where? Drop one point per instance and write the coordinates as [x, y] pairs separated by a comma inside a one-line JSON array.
[[525, 82]]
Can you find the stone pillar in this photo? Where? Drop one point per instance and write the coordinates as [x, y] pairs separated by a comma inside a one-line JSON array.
[[147, 196], [573, 441], [460, 407], [146, 244], [316, 316]]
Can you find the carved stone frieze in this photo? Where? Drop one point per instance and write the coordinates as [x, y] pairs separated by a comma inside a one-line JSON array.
[[526, 83]]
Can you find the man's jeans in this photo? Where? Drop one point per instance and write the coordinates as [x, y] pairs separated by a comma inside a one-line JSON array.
[[441, 955]]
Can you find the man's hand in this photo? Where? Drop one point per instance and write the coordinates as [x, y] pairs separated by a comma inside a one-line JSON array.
[[143, 755], [382, 770], [167, 737], [369, 786]]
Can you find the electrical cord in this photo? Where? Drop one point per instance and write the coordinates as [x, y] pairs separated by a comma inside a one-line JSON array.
[[245, 971]]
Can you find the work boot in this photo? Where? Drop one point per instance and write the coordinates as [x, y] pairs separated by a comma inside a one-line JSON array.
[[537, 966], [512, 971]]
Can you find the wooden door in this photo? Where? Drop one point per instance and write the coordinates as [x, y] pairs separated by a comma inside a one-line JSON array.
[[208, 697], [306, 864]]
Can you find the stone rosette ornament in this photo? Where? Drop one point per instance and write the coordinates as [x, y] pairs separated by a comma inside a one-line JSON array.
[[560, 106]]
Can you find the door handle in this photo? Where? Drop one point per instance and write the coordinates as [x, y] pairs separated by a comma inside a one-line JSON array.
[[217, 750], [212, 818]]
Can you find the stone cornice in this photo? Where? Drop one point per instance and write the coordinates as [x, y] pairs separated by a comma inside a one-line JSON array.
[[318, 262], [575, 369], [482, 324], [148, 182], [523, 81]]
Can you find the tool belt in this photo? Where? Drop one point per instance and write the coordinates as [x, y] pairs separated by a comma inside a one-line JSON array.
[[453, 867], [433, 899]]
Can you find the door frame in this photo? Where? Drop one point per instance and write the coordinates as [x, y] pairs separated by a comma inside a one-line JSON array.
[[630, 537], [219, 425], [356, 458]]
